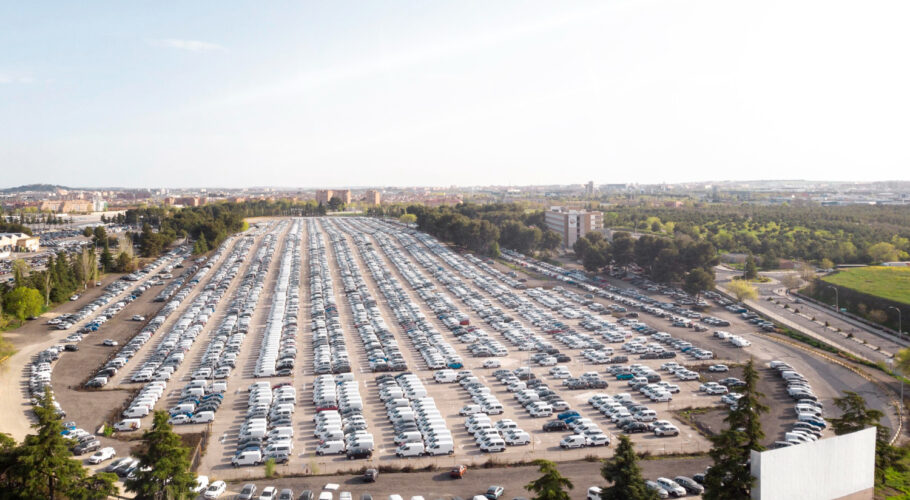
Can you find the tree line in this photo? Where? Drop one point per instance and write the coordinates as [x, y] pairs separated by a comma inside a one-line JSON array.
[[42, 467], [855, 234], [484, 229], [664, 260]]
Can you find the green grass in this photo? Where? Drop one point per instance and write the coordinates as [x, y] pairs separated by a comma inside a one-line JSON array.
[[892, 283]]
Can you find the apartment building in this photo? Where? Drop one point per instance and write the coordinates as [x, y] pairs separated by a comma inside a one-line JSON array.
[[572, 224], [324, 195], [371, 197], [18, 242]]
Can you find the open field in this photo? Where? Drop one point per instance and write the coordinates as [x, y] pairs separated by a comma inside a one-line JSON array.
[[360, 319], [892, 283]]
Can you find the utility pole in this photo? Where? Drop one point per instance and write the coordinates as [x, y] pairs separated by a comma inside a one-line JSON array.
[[836, 300]]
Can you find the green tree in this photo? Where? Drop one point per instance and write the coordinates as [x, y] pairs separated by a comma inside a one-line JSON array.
[[200, 246], [335, 204], [902, 361], [742, 290], [551, 485], [107, 259], [125, 263], [856, 416], [44, 467], [164, 465], [730, 478], [623, 249], [20, 271], [623, 472], [883, 252], [751, 270], [698, 281], [100, 235], [408, 218], [23, 302]]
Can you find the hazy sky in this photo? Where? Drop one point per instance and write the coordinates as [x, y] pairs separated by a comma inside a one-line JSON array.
[[336, 93]]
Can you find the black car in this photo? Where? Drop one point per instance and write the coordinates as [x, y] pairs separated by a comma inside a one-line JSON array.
[[358, 453], [699, 478], [563, 358], [70, 347], [690, 485], [635, 427], [555, 426], [306, 495]]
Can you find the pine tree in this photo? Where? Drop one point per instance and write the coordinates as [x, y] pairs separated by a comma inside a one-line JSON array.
[[730, 478], [107, 259], [164, 465], [551, 485], [856, 416], [623, 471], [751, 271]]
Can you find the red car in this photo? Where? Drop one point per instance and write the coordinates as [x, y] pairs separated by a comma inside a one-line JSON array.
[[458, 472]]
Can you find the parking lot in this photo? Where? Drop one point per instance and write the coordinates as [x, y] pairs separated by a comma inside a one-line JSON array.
[[333, 344]]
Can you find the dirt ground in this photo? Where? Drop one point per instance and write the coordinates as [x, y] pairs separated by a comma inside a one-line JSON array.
[[438, 485]]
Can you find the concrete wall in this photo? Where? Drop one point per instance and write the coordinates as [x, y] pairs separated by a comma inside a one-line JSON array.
[[833, 468]]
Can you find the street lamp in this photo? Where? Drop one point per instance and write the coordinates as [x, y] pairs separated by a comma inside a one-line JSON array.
[[900, 376], [836, 301], [900, 333]]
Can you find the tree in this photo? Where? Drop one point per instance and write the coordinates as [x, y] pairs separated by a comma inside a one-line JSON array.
[[742, 290], [751, 270], [125, 263], [790, 281], [623, 249], [826, 264], [856, 416], [20, 271], [883, 252], [200, 246], [623, 472], [697, 281], [335, 204], [805, 270], [730, 478], [408, 218], [903, 361], [551, 485], [100, 235], [23, 302], [164, 465], [44, 467], [107, 259]]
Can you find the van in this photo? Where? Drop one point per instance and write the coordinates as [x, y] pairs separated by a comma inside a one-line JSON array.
[[441, 448], [278, 432], [136, 412], [445, 376], [248, 457], [331, 435], [647, 416], [285, 448], [197, 392], [257, 432], [593, 493], [203, 417], [330, 448], [182, 408], [573, 441], [408, 437], [128, 424], [410, 450]]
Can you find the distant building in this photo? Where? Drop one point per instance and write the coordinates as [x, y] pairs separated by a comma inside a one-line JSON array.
[[372, 197], [324, 195], [572, 224], [589, 189], [18, 242]]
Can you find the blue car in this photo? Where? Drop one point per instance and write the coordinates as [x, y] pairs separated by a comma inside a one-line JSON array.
[[568, 414]]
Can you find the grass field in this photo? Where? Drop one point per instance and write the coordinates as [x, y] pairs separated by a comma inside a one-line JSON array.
[[891, 283]]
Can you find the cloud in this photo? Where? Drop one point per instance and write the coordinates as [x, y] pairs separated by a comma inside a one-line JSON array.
[[10, 78], [190, 45]]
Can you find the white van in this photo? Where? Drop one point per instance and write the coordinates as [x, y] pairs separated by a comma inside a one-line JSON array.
[[203, 417], [408, 437], [249, 457], [128, 424], [330, 448], [441, 448], [281, 432], [573, 441], [256, 432], [593, 493], [136, 412], [647, 416], [445, 376], [410, 450]]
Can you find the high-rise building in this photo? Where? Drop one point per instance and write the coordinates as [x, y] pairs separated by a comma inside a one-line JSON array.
[[371, 197], [572, 224], [589, 189], [324, 195]]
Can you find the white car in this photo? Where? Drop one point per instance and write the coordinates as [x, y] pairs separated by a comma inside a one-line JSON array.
[[74, 297], [492, 363], [666, 430], [517, 438], [202, 482], [597, 440], [102, 455], [179, 419], [138, 318], [671, 486], [109, 342], [718, 368], [718, 389], [215, 489]]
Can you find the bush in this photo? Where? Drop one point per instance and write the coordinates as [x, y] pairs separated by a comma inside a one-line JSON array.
[[270, 468]]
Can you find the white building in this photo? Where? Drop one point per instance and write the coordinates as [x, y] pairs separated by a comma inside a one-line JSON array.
[[572, 224]]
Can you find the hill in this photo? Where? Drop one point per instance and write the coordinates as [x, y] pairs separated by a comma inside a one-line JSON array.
[[32, 187], [892, 283]]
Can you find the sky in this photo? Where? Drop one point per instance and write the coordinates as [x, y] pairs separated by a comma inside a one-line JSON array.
[[468, 92]]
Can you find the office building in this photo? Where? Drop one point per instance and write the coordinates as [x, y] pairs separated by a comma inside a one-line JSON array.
[[324, 195], [572, 224]]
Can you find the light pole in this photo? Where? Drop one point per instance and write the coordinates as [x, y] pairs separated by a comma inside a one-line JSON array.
[[900, 333], [900, 376], [836, 301]]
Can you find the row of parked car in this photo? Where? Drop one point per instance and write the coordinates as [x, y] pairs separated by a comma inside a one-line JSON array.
[[278, 350], [267, 432], [809, 411], [330, 354]]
